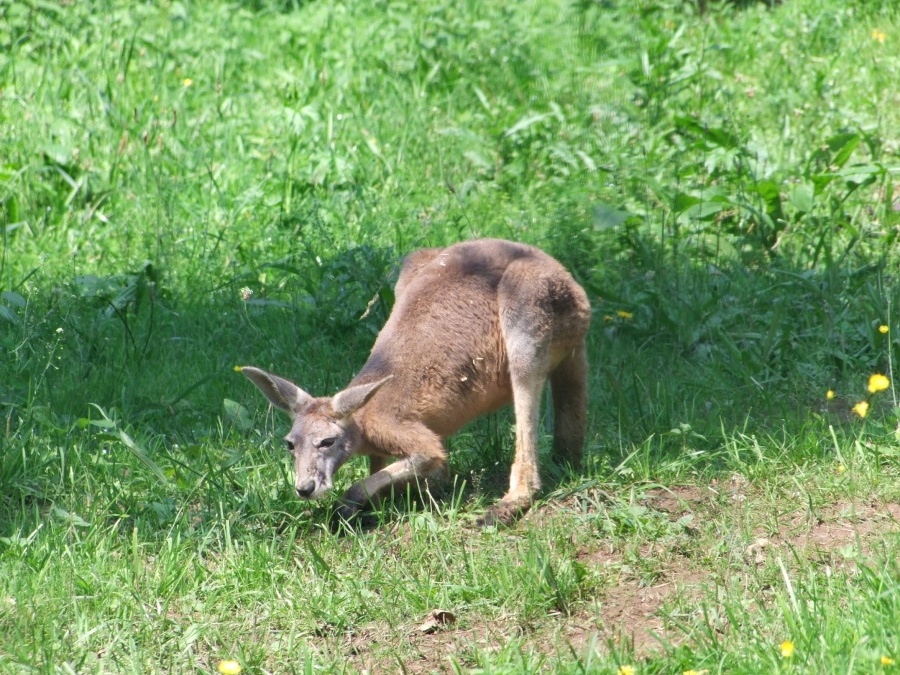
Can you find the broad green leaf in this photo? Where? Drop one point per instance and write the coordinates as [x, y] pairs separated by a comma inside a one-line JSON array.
[[13, 298], [802, 197], [684, 201], [705, 210], [607, 218], [235, 455], [68, 517], [715, 136], [9, 315], [770, 192], [843, 146], [524, 123], [238, 415], [859, 174], [60, 154]]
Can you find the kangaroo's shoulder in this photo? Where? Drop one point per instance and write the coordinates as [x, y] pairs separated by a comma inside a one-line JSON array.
[[412, 265]]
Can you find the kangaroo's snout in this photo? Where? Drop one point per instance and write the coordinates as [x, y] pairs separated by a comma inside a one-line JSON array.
[[305, 490]]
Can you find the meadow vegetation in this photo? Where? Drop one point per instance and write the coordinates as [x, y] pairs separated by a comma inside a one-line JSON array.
[[190, 186]]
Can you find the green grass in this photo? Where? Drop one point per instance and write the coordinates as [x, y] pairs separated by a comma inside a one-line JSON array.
[[185, 187]]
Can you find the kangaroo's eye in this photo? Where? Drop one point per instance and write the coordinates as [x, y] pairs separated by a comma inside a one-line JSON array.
[[326, 442], [290, 446]]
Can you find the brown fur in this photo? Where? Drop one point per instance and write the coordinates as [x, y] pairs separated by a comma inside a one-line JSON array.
[[475, 326]]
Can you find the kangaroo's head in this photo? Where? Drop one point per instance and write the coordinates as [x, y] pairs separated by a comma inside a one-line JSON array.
[[323, 435]]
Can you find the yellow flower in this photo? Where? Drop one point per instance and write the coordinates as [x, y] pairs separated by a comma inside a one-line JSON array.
[[878, 383], [787, 649], [607, 317], [887, 661], [879, 35], [229, 667], [883, 329], [841, 468], [238, 369], [861, 409], [622, 314], [187, 82], [829, 394], [690, 672], [626, 670]]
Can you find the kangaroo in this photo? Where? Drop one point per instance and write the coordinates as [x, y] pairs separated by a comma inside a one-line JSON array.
[[475, 326]]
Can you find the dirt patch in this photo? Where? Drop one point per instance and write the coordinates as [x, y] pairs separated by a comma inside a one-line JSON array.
[[674, 502], [625, 612], [378, 649], [678, 500], [435, 652], [634, 613], [845, 529], [635, 604]]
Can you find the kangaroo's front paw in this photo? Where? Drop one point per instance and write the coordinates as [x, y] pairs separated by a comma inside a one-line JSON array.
[[352, 502], [344, 515], [346, 510]]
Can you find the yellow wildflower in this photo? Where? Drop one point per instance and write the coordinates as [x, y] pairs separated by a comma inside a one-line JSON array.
[[238, 369], [622, 314], [841, 468], [607, 317], [861, 409], [690, 672], [879, 36], [229, 667], [883, 329], [787, 649], [187, 82], [626, 670], [887, 661], [878, 383], [829, 395]]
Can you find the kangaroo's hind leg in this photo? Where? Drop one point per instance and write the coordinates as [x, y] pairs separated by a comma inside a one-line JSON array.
[[525, 324], [568, 386]]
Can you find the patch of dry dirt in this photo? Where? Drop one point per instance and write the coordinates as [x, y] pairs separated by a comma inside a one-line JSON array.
[[627, 609], [383, 650], [679, 500], [632, 611], [842, 527]]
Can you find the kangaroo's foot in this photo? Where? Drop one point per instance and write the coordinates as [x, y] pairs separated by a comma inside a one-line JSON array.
[[505, 512]]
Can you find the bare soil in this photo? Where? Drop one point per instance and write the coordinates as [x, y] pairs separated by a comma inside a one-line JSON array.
[[628, 609]]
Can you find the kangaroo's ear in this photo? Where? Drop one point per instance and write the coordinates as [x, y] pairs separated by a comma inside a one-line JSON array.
[[352, 399], [284, 395]]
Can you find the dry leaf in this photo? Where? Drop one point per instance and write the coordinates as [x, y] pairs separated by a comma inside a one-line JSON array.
[[757, 550], [436, 619]]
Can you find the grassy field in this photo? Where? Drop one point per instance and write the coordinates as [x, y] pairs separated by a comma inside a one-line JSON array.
[[188, 186]]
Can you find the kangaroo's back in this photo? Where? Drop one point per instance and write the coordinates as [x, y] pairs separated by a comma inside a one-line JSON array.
[[444, 342]]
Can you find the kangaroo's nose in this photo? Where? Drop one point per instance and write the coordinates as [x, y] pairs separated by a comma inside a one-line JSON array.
[[306, 489]]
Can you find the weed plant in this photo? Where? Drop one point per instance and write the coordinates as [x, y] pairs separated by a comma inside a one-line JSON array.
[[188, 186]]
